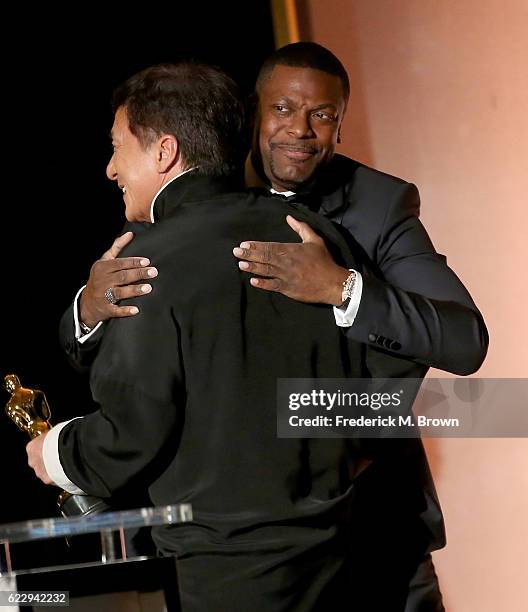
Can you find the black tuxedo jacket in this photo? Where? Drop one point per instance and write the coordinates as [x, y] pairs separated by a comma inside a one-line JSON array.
[[187, 406], [413, 305]]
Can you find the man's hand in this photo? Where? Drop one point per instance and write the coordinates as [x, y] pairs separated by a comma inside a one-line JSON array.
[[118, 275], [303, 271], [35, 459]]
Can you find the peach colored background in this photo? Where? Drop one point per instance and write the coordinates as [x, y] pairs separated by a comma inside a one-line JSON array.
[[440, 98]]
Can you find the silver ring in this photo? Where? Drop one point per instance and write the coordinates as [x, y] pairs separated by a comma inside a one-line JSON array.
[[109, 295]]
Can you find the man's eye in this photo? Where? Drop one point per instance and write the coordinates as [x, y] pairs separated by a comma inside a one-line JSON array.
[[281, 109], [323, 116]]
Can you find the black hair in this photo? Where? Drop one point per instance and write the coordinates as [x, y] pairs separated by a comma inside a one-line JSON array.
[[198, 104], [305, 55]]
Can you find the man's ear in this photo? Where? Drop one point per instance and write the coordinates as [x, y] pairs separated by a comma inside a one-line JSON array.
[[167, 152]]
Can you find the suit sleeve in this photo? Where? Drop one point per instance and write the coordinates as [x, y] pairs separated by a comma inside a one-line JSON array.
[[417, 307], [137, 381], [80, 355]]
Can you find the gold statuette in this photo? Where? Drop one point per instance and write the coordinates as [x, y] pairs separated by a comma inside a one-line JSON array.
[[29, 410]]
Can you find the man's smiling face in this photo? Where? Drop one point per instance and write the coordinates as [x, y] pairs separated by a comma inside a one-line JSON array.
[[299, 115], [134, 168]]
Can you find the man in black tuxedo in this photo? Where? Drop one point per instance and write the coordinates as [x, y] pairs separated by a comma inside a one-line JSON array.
[[187, 389], [412, 308], [417, 308]]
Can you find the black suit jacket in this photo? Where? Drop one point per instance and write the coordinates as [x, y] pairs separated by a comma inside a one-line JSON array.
[[413, 305], [415, 313], [187, 405]]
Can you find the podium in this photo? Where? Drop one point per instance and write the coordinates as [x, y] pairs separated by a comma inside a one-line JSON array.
[[113, 574]]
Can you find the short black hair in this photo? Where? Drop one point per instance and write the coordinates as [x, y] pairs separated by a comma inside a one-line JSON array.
[[198, 104], [305, 55]]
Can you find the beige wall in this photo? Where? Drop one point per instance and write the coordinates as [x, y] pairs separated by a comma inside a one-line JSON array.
[[440, 98]]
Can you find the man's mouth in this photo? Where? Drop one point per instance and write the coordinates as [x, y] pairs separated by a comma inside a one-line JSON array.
[[295, 152], [123, 188]]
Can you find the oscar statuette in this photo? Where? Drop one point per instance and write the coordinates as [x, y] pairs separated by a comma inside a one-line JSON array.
[[29, 410]]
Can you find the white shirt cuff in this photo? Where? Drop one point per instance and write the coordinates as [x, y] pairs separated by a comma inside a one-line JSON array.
[[50, 456], [344, 317], [79, 334]]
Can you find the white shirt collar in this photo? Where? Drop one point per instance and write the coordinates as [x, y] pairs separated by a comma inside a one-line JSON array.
[[167, 183], [286, 194]]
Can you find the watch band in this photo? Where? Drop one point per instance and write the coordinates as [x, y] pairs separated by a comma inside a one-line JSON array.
[[348, 285]]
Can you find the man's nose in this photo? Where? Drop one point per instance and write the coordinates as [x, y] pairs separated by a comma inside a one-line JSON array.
[[300, 126], [110, 170]]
